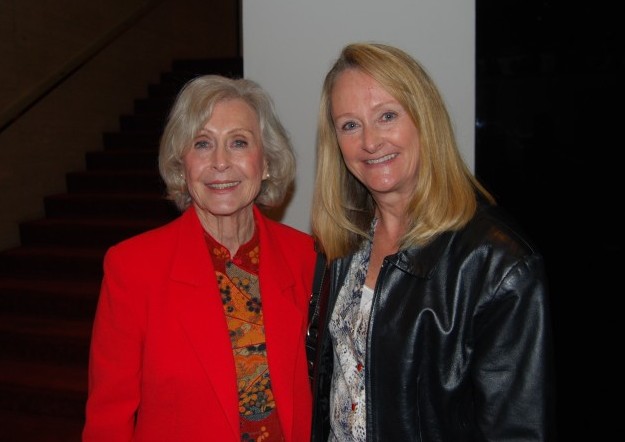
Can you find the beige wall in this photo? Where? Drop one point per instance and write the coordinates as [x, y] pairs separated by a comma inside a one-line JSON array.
[[292, 63], [38, 38]]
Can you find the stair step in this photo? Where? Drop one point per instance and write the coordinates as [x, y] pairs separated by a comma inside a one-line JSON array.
[[52, 262], [177, 79], [185, 70], [138, 139], [115, 181], [123, 160], [228, 66], [155, 105], [83, 232], [161, 96], [28, 427], [45, 339], [43, 389], [47, 297], [145, 121], [110, 206], [165, 89]]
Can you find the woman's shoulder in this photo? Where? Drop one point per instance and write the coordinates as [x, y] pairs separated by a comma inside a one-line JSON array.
[[286, 233], [493, 239], [496, 227], [498, 246], [295, 246]]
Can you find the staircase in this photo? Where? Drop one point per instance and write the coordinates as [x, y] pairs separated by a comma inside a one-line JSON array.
[[49, 284]]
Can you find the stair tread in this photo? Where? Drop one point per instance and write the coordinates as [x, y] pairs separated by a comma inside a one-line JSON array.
[[47, 376], [52, 327], [21, 427], [130, 132], [107, 195], [77, 252], [51, 286], [115, 181], [127, 172], [126, 151], [98, 222]]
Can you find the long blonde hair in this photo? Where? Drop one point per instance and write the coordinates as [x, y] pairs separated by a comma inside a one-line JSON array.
[[445, 197]]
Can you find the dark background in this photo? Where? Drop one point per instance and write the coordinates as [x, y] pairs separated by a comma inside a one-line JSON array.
[[549, 142]]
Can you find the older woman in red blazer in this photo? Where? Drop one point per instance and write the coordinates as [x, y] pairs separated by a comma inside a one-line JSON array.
[[199, 333]]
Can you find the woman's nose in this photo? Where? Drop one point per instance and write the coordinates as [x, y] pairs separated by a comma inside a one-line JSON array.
[[371, 139], [220, 158]]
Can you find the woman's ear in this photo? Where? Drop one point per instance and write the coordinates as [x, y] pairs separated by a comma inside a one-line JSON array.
[[266, 173]]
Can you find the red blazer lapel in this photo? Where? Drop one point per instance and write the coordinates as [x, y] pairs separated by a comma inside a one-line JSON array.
[[201, 314], [283, 322]]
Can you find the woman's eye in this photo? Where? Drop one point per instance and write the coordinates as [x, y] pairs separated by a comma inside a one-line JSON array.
[[348, 126], [201, 144], [239, 143], [387, 116]]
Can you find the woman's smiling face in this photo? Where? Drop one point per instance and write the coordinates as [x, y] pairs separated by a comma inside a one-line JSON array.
[[225, 166], [378, 139]]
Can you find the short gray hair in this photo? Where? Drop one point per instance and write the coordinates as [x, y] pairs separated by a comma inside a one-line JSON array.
[[191, 110]]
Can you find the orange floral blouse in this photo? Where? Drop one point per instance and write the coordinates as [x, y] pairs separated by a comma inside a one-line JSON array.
[[237, 278]]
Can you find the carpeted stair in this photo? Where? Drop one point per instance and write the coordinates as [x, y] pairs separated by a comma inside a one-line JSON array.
[[49, 284]]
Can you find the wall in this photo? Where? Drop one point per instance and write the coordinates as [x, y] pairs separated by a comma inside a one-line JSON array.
[[288, 45], [38, 37]]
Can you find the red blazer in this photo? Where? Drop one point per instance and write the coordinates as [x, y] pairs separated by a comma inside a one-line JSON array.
[[160, 350]]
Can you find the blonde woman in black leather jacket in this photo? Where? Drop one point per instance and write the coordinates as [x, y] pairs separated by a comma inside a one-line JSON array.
[[434, 319]]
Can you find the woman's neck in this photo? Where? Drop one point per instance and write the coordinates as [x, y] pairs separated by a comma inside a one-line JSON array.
[[388, 231], [230, 231]]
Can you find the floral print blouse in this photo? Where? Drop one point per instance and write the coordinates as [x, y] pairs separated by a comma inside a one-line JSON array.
[[237, 278], [348, 329]]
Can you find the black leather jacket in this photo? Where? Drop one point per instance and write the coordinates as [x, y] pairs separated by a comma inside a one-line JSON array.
[[459, 341]]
